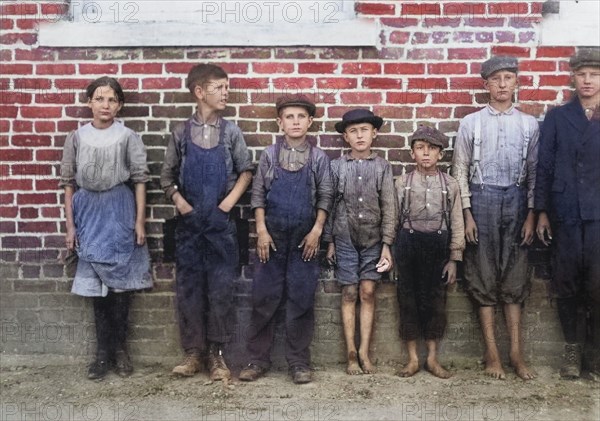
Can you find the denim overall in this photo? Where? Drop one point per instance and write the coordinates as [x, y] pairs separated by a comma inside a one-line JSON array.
[[286, 279], [207, 250]]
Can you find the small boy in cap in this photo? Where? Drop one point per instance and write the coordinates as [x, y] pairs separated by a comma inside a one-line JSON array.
[[568, 203], [206, 170], [360, 229], [291, 197], [430, 241], [495, 158]]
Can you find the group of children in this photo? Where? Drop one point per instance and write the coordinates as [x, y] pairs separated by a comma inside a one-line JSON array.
[[418, 223]]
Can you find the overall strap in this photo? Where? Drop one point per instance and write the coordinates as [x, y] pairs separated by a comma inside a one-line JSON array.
[[476, 157], [183, 145], [222, 123], [523, 171], [445, 199]]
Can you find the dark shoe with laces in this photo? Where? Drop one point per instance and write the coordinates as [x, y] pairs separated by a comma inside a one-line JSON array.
[[300, 374], [571, 368], [123, 366], [216, 364], [252, 372], [98, 368]]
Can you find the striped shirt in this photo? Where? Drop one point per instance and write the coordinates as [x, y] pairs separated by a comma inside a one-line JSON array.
[[502, 138]]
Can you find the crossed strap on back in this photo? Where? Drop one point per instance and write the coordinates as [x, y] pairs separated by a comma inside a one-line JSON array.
[[406, 203], [476, 157]]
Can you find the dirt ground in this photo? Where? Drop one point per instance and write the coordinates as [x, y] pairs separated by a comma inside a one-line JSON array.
[[32, 390]]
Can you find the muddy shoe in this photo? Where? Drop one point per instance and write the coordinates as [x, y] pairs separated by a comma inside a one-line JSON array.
[[189, 366], [216, 365], [251, 373], [123, 366], [301, 375], [571, 368], [98, 368]]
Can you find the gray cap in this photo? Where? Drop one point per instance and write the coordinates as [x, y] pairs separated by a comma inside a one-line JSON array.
[[494, 64], [586, 56], [431, 135]]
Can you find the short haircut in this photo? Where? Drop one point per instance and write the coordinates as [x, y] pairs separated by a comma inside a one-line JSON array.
[[203, 73], [105, 81]]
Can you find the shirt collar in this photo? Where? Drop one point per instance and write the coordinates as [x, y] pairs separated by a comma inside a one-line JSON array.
[[303, 146], [349, 157], [494, 111], [214, 122]]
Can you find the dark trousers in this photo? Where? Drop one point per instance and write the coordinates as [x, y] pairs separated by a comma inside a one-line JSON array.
[[111, 314], [421, 290], [285, 280], [207, 260]]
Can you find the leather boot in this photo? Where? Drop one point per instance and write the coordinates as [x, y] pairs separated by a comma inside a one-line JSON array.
[[189, 366], [216, 363], [120, 320], [101, 364]]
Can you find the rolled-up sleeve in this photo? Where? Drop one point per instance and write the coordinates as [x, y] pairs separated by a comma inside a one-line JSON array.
[[240, 153], [169, 174], [324, 184], [259, 192], [532, 161], [461, 162], [389, 207], [457, 239], [136, 159], [68, 164]]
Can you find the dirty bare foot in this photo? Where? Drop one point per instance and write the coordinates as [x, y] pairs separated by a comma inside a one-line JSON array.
[[493, 367], [521, 368], [437, 370], [409, 369], [353, 367], [366, 364]]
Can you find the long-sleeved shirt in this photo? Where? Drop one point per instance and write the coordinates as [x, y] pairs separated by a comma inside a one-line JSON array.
[[502, 139], [206, 135], [294, 159], [426, 211], [99, 159], [365, 203]]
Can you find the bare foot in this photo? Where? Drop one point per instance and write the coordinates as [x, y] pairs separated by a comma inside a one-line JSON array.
[[409, 369], [493, 367], [521, 368], [353, 367], [366, 364], [437, 370]]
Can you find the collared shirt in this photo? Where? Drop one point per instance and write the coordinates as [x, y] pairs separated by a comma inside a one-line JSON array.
[[366, 205], [99, 159], [425, 208], [502, 139], [206, 135], [294, 159]]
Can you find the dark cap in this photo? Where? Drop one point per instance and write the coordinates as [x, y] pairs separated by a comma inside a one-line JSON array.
[[357, 116], [431, 135], [494, 64], [586, 56], [296, 100]]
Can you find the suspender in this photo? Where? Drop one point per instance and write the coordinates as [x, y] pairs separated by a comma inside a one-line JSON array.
[[406, 203], [476, 157]]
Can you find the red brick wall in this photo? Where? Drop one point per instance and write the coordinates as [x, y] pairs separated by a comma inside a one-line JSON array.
[[427, 70]]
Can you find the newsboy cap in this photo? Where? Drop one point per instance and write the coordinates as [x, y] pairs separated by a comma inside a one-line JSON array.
[[357, 116], [586, 56], [431, 135], [296, 100], [496, 63]]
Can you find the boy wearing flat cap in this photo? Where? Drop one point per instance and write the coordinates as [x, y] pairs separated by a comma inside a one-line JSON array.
[[291, 197], [568, 206], [495, 160], [360, 229], [430, 241]]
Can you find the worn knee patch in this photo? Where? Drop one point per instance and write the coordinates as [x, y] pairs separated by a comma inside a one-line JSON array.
[[350, 293]]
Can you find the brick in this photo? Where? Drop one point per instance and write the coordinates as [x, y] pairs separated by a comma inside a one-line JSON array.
[[400, 22], [18, 38], [334, 84], [12, 154], [537, 66], [35, 54], [405, 97], [339, 53], [484, 37], [249, 83], [41, 112], [296, 54], [6, 24], [381, 83], [36, 198], [319, 68], [55, 69], [55, 212], [27, 24], [55, 98], [451, 98], [66, 126], [29, 213], [251, 53], [9, 211], [501, 50], [161, 83], [449, 22], [426, 54], [147, 68], [447, 68], [360, 97], [527, 37], [554, 52], [460, 112], [434, 112], [522, 22], [15, 97], [427, 83], [537, 94], [54, 9], [17, 69], [39, 170], [293, 84], [361, 68], [7, 198], [33, 84], [467, 53], [273, 67], [404, 68], [421, 9], [379, 9], [508, 9], [466, 83], [505, 36], [17, 8], [525, 80], [563, 80], [399, 37], [98, 69], [484, 22], [463, 9]]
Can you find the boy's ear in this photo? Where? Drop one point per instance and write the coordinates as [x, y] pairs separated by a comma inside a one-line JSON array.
[[345, 136], [198, 92], [441, 153], [375, 133]]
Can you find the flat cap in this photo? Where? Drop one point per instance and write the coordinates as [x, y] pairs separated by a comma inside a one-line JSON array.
[[357, 116], [431, 135], [586, 56], [296, 100], [496, 63]]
